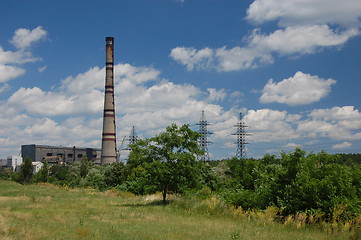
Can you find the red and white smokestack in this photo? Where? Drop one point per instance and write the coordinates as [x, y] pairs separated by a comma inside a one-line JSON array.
[[109, 152]]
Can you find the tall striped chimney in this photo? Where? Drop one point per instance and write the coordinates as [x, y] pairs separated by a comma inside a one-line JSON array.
[[109, 152]]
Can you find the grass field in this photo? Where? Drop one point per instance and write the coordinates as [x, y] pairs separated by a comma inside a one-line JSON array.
[[45, 211]]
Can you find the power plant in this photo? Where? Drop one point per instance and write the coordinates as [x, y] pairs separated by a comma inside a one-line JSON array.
[[108, 153], [109, 145]]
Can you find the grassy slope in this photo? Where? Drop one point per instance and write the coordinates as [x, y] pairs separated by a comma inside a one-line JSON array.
[[49, 212]]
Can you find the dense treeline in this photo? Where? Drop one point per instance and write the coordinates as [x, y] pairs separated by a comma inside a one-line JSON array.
[[324, 185]]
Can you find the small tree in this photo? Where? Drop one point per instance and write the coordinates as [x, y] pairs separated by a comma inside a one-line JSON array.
[[84, 166], [26, 171], [114, 174], [169, 159], [42, 175]]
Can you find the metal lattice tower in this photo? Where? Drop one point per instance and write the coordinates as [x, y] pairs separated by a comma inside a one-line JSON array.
[[133, 138], [241, 138], [203, 140]]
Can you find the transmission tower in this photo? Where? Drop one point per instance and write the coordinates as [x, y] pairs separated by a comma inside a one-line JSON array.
[[203, 140], [133, 138], [241, 138]]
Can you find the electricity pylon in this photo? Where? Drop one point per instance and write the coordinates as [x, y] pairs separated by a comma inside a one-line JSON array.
[[203, 140], [241, 138]]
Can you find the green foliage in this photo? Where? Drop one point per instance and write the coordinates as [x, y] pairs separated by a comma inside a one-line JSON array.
[[84, 166], [95, 178], [165, 162], [6, 172], [114, 174], [42, 175], [310, 186], [295, 182], [26, 171], [65, 175]]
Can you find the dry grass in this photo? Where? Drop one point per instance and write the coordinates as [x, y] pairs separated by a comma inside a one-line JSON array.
[[49, 212]]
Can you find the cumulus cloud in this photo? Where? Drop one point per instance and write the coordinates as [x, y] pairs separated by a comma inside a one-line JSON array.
[[337, 113], [269, 125], [297, 90], [9, 72], [24, 38], [338, 123], [261, 48], [193, 58], [238, 58], [300, 12], [18, 57], [291, 145], [301, 39], [72, 113], [333, 124], [10, 61], [342, 145], [4, 87], [306, 27], [216, 95], [36, 101]]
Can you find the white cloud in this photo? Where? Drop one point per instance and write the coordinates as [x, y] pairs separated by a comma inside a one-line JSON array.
[[149, 107], [300, 89], [4, 87], [259, 51], [301, 39], [301, 12], [267, 125], [342, 145], [306, 28], [337, 113], [238, 58], [291, 145], [338, 123], [216, 95], [18, 57], [36, 101], [24, 38], [9, 72], [72, 114], [192, 57], [43, 68]]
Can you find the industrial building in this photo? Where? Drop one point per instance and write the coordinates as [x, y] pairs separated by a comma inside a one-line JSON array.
[[14, 161], [59, 154]]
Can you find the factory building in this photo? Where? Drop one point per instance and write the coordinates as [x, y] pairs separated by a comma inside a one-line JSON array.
[[14, 161], [59, 154]]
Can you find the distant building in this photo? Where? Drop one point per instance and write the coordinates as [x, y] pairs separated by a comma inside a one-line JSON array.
[[14, 161], [3, 163], [37, 166], [59, 154]]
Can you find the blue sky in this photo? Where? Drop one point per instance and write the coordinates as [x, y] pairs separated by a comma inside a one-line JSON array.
[[292, 67]]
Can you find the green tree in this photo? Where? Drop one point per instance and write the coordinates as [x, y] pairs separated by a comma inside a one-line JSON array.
[[168, 160], [42, 175], [84, 166], [26, 171], [114, 174], [59, 174]]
